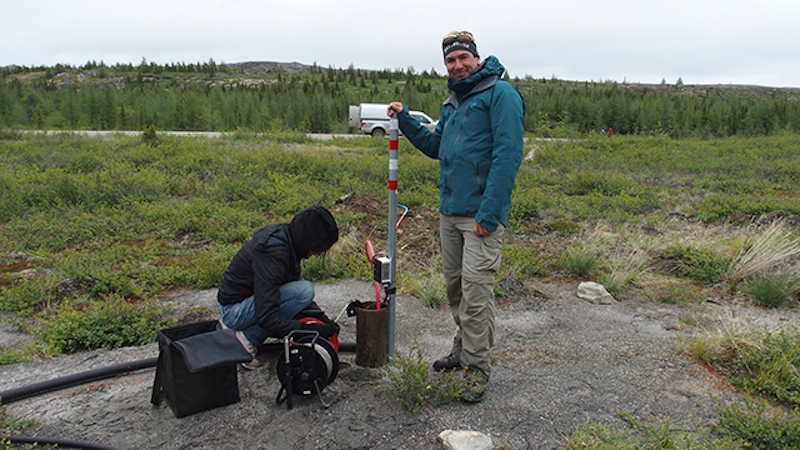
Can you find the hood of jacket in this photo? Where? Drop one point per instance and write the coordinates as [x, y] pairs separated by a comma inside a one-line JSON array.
[[313, 229]]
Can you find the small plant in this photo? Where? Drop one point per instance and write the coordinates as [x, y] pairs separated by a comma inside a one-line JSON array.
[[703, 266], [565, 226], [521, 262], [766, 251], [772, 290], [109, 323], [624, 271], [415, 385], [149, 134], [758, 361], [13, 427], [652, 434], [758, 428], [581, 261], [430, 289], [10, 135]]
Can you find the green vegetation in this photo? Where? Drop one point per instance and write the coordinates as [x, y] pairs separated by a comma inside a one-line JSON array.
[[128, 218], [96, 229], [218, 97], [581, 261], [415, 386], [643, 435]]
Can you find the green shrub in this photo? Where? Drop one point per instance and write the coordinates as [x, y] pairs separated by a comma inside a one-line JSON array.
[[415, 385], [757, 428], [652, 434], [519, 261], [149, 135], [700, 265], [25, 297], [769, 367], [109, 323], [565, 226]]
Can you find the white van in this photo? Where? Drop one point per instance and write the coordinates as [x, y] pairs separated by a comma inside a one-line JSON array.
[[371, 118]]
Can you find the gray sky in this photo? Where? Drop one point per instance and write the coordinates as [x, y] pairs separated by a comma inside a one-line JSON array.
[[698, 41]]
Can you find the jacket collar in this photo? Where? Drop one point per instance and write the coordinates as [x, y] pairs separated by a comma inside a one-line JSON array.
[[485, 76]]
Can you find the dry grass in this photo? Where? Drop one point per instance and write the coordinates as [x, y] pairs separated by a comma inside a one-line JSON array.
[[625, 270], [766, 251]]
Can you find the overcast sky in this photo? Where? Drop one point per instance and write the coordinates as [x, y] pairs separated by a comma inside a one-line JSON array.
[[644, 41]]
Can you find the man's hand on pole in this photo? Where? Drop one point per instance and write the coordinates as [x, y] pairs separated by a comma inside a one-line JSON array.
[[393, 108]]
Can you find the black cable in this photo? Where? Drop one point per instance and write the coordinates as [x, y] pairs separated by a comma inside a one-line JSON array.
[[62, 443], [13, 395]]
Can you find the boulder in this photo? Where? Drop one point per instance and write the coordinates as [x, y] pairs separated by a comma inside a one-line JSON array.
[[595, 293], [465, 440]]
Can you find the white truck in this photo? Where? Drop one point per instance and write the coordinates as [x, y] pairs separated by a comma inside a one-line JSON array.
[[371, 118]]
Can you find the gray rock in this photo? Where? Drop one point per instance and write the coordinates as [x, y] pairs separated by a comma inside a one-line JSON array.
[[465, 440], [595, 293]]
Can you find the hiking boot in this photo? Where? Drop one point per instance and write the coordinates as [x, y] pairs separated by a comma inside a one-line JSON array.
[[254, 363], [476, 385], [449, 362]]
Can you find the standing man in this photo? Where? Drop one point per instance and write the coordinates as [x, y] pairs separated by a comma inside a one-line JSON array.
[[261, 293], [478, 143]]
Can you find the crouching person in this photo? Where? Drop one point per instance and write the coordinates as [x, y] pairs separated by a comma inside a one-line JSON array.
[[261, 293]]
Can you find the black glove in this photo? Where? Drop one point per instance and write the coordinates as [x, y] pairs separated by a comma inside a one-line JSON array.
[[325, 330]]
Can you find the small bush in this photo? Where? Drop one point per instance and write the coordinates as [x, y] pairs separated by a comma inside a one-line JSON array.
[[700, 265], [769, 368], [109, 324], [758, 428], [643, 435], [149, 135], [564, 226], [761, 362], [521, 262], [415, 385], [674, 293], [25, 297]]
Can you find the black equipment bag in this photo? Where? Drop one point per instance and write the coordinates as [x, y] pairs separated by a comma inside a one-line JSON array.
[[196, 368]]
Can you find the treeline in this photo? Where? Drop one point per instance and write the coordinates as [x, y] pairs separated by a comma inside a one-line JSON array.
[[212, 97]]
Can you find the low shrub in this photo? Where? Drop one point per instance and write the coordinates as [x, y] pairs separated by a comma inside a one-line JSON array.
[[108, 323], [758, 427], [521, 262], [644, 435], [700, 265], [415, 385]]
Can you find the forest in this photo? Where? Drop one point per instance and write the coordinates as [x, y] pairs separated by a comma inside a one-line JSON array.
[[269, 96]]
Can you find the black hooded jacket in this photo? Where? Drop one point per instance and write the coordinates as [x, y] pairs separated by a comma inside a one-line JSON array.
[[271, 259]]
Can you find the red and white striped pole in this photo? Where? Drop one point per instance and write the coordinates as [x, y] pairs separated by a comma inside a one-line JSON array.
[[394, 131]]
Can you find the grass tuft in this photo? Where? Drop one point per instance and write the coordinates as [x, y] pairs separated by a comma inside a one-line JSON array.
[[770, 248]]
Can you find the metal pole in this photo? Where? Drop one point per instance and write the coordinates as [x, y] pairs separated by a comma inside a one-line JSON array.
[[393, 141]]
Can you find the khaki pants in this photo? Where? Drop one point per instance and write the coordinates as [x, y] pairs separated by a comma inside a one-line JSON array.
[[469, 264]]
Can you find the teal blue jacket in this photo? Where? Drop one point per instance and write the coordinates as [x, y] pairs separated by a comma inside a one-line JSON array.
[[478, 143]]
